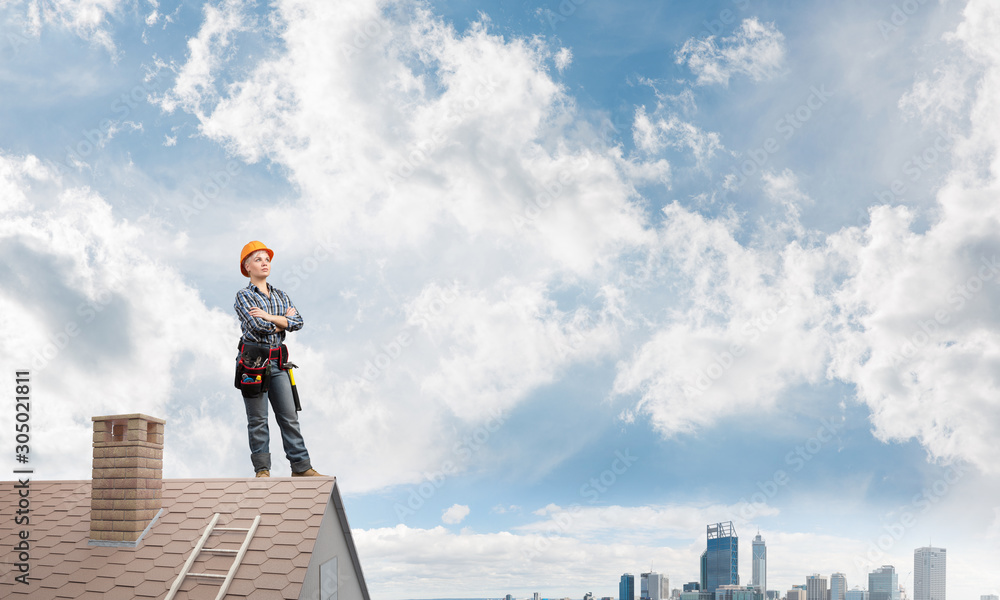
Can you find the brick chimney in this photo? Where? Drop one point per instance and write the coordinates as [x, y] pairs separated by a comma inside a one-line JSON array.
[[127, 488]]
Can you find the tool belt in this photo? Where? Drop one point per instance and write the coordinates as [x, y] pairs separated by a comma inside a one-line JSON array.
[[253, 373]]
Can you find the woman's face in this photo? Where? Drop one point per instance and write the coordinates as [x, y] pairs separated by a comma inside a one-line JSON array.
[[259, 265]]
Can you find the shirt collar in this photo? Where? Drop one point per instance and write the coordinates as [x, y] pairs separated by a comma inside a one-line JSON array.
[[252, 287]]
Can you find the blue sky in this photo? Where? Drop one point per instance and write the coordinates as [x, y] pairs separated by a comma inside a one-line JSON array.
[[578, 278]]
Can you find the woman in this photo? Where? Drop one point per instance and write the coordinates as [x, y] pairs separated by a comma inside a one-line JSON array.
[[266, 313]]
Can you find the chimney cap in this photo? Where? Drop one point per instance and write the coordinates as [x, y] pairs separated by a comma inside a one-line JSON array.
[[129, 416]]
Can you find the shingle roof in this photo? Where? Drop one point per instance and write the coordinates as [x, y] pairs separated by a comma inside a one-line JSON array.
[[63, 564]]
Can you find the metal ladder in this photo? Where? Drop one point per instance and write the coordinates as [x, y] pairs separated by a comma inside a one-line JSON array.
[[200, 547]]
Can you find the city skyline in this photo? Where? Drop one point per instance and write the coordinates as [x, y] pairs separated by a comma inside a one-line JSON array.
[[929, 576]]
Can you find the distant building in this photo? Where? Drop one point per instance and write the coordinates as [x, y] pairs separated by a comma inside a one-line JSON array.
[[737, 592], [816, 587], [796, 593], [838, 586], [929, 573], [989, 597], [704, 571], [588, 596], [759, 564], [694, 586], [626, 587], [722, 555], [537, 596], [654, 586], [695, 595], [857, 593], [883, 584]]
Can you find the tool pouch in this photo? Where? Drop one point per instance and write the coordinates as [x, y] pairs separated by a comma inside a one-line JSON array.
[[280, 356], [252, 370]]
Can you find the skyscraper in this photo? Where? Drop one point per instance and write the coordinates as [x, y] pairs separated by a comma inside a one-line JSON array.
[[722, 555], [703, 580], [883, 584], [838, 586], [816, 587], [929, 573], [654, 586], [760, 565], [626, 588]]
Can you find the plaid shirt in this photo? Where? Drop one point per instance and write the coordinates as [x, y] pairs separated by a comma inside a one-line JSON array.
[[258, 330]]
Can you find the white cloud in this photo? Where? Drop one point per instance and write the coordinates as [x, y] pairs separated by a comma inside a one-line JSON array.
[[195, 82], [749, 324], [85, 18], [919, 336], [652, 135], [783, 190], [756, 50], [901, 313], [405, 155], [500, 509], [16, 174], [636, 524], [401, 562], [455, 514], [938, 97], [105, 328], [563, 58], [501, 343]]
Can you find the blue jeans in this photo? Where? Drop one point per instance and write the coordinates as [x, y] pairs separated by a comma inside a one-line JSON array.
[[279, 395]]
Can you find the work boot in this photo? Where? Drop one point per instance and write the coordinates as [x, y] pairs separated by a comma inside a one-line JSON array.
[[308, 473], [263, 473]]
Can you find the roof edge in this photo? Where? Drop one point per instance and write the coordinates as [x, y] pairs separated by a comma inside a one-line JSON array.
[[338, 503]]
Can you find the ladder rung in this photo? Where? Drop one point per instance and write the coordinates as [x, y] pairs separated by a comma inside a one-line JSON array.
[[200, 547]]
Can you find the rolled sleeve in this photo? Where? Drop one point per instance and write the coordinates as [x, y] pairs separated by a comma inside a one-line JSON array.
[[294, 322]]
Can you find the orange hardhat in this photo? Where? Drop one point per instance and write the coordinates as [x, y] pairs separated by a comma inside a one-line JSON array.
[[250, 249]]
